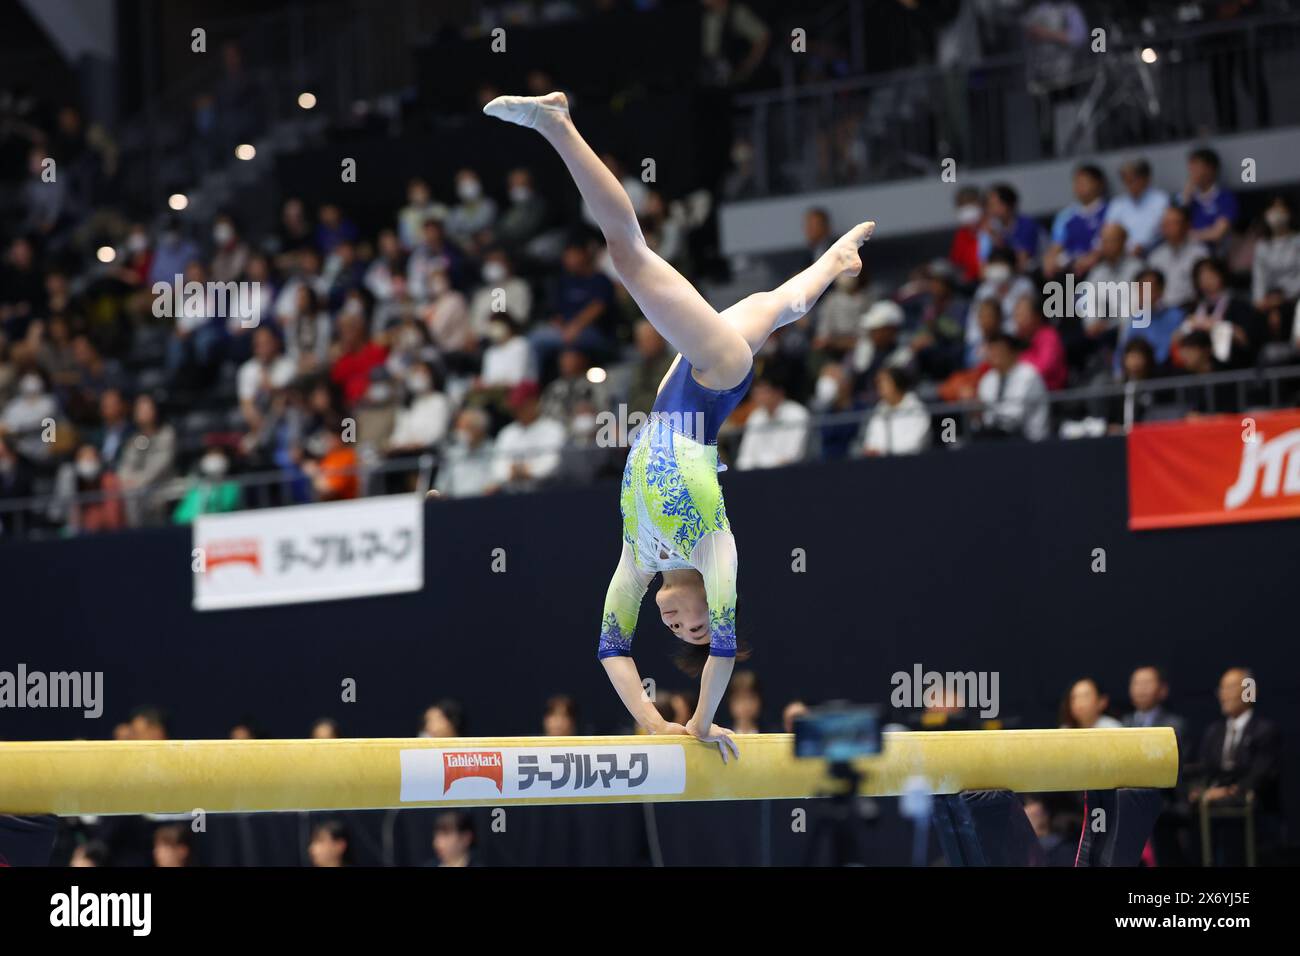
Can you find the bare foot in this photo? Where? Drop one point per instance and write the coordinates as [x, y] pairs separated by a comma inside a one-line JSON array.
[[529, 111], [845, 249]]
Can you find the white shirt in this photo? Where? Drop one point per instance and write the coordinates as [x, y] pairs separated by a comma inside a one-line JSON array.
[[902, 429], [1023, 402], [1140, 217], [513, 293], [771, 441], [278, 374], [423, 423], [1233, 731], [1276, 266], [537, 446], [466, 471], [507, 363], [1176, 266]]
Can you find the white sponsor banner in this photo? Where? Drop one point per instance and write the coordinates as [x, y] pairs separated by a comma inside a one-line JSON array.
[[524, 773], [320, 552]]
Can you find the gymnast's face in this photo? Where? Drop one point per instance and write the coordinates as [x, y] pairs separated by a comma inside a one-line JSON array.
[[684, 608]]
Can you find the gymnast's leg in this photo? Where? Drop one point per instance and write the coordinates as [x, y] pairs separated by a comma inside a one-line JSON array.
[[671, 304]]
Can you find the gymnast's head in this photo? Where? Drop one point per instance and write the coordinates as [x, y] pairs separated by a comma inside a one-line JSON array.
[[684, 606]]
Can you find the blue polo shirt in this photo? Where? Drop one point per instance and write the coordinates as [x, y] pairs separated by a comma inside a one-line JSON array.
[[1208, 208], [1023, 236], [1075, 227]]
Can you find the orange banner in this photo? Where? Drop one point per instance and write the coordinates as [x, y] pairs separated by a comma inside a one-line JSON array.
[[1215, 470]]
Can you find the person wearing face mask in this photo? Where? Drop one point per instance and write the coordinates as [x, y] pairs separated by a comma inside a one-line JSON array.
[[1003, 227], [561, 398], [423, 422], [172, 254], [525, 216], [138, 260], [833, 396], [447, 315], [900, 422], [209, 491], [508, 359], [467, 462], [420, 207], [964, 251], [474, 215], [230, 254], [501, 292], [27, 415], [94, 494], [434, 253], [1001, 284], [1275, 273], [839, 314]]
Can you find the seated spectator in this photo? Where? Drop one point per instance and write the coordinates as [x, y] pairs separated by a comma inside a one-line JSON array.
[[385, 267], [571, 389], [528, 449], [196, 346], [1058, 849], [333, 228], [468, 459], [838, 315], [1148, 689], [900, 422], [172, 846], [1076, 228], [1211, 208], [90, 376], [470, 221], [1233, 326], [446, 718], [939, 341], [582, 309], [268, 371], [343, 276], [453, 839], [355, 356], [508, 360], [1003, 285], [92, 494], [422, 423], [1136, 363], [330, 845], [447, 315], [148, 462], [833, 397], [114, 426], [230, 253], [879, 346], [560, 717], [172, 254], [501, 291], [1043, 348], [15, 483], [325, 728], [745, 703], [653, 359], [1004, 228], [335, 476], [92, 853], [419, 209], [964, 250], [1085, 706], [28, 417], [434, 253], [1155, 321], [1176, 257], [776, 432], [1139, 209], [1275, 269], [306, 329], [22, 290], [209, 492], [1013, 394], [522, 220]]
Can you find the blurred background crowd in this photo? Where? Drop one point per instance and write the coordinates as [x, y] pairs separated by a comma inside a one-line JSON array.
[[468, 333]]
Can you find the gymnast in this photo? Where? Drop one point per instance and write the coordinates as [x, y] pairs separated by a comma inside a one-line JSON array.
[[674, 520]]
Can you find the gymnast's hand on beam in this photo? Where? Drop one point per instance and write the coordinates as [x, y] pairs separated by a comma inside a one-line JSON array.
[[668, 727], [721, 736]]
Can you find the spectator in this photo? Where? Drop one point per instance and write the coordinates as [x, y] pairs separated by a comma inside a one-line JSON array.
[[267, 372], [93, 494], [114, 426], [560, 717], [306, 329], [195, 348], [355, 357], [435, 253], [92, 853], [295, 234], [172, 255], [22, 289], [209, 492], [776, 432], [1212, 209], [900, 422], [446, 718], [501, 292], [470, 220], [230, 256], [1002, 284], [653, 359], [15, 483], [1232, 325], [508, 360], [528, 449], [1003, 227], [833, 397], [28, 418], [148, 723], [148, 462], [1043, 348], [330, 845], [333, 229], [453, 839], [467, 464], [572, 389], [939, 343], [172, 846], [447, 315], [839, 315], [1136, 363], [1105, 296], [386, 268], [419, 209], [581, 310], [522, 220], [745, 703], [817, 233], [1077, 227], [325, 728], [791, 713], [1085, 706], [46, 202], [422, 422], [1139, 209], [1057, 849], [1148, 689], [1177, 256], [1013, 394], [964, 250], [1155, 321], [1275, 270], [879, 347], [335, 476]]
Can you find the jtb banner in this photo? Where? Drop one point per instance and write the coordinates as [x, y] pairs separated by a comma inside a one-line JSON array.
[[318, 552], [1216, 470]]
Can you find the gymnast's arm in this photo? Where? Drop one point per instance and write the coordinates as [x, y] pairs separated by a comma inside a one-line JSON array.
[[715, 558], [622, 605]]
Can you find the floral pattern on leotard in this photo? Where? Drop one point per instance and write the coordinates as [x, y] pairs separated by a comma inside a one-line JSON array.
[[722, 631]]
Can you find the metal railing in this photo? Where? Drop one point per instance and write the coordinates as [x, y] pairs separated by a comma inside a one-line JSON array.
[[53, 515], [1170, 84]]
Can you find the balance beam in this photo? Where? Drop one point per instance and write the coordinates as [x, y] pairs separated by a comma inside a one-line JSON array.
[[71, 778]]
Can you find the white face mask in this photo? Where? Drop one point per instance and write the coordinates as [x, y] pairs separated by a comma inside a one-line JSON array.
[[493, 272], [213, 466], [469, 189], [997, 272], [379, 392], [1277, 219], [222, 233], [584, 425], [968, 215], [826, 390], [31, 386], [87, 469], [520, 194], [419, 383]]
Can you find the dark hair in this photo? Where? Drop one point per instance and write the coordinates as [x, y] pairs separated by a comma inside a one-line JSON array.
[[691, 658], [1066, 718], [336, 831], [151, 715], [561, 702], [1007, 194], [966, 194], [1205, 155], [174, 834], [1002, 255], [1138, 344], [1149, 273], [1197, 339], [1093, 172], [1182, 211], [1214, 265], [1160, 671], [453, 711], [899, 376], [1139, 166], [1007, 339]]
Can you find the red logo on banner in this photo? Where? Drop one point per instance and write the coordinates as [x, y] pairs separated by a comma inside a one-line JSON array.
[[483, 763], [1217, 470], [234, 551]]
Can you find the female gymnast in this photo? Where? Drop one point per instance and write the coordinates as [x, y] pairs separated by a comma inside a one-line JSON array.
[[674, 520]]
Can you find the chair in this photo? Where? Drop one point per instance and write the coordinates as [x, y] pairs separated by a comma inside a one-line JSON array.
[[1227, 811]]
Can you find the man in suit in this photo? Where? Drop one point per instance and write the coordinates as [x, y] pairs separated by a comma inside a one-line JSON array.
[[1147, 691], [1240, 754]]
